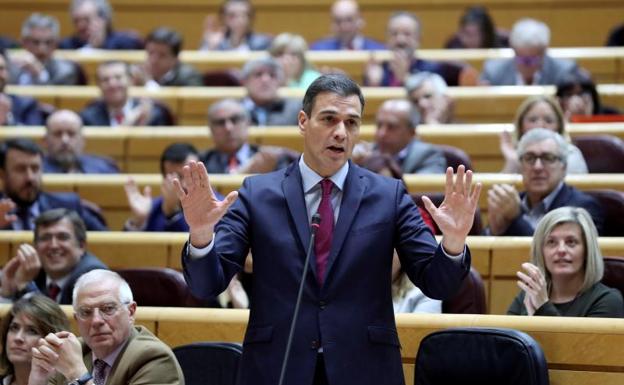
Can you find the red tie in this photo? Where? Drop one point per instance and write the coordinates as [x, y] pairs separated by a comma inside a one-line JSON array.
[[325, 232], [53, 290], [119, 117], [232, 164]]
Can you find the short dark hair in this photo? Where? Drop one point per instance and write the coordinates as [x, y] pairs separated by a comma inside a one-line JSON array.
[[50, 217], [20, 144], [167, 36], [335, 83], [176, 153], [46, 315]]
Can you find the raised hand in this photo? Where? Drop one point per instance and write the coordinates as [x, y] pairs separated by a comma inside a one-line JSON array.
[[508, 149], [373, 72], [503, 207], [6, 206], [140, 203], [202, 209], [533, 283], [20, 270], [455, 215], [171, 204], [213, 34]]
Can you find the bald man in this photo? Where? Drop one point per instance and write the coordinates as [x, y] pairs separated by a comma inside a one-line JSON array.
[[64, 143], [347, 25], [396, 136]]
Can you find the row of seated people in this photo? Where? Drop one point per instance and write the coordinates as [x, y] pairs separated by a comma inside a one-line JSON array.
[[529, 39]]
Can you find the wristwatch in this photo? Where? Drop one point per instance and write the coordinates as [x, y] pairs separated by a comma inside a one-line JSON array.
[[82, 380]]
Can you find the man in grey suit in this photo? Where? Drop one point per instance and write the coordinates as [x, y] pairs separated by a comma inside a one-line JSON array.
[[262, 79], [396, 136], [531, 65], [36, 64]]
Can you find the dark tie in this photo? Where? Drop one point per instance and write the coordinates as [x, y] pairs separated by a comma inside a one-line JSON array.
[[325, 232], [53, 290], [24, 216], [99, 372]]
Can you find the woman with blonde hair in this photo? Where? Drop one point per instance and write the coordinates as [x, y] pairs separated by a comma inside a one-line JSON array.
[[289, 50], [539, 112], [32, 317], [563, 277]]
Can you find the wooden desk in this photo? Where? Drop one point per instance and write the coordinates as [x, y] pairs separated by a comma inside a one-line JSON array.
[[189, 104]]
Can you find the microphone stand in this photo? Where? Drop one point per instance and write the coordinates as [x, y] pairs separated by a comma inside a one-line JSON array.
[[316, 220]]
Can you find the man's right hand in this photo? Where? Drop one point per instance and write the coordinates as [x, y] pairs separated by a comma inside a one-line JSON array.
[[140, 203], [202, 209], [20, 270], [6, 218]]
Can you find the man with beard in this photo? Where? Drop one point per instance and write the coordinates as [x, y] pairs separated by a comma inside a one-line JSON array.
[[64, 144], [23, 199], [59, 257]]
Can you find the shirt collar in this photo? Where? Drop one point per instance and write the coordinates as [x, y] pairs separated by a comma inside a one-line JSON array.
[[311, 178], [546, 202]]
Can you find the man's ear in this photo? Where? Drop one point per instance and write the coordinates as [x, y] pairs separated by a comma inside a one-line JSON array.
[[302, 119]]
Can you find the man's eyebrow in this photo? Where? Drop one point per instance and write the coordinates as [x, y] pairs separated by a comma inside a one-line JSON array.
[[334, 112]]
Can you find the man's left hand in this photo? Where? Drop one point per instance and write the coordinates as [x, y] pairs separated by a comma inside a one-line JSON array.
[[455, 215]]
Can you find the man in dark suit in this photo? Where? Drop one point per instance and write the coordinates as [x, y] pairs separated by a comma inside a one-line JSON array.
[[22, 199], [36, 65], [116, 107], [531, 64], [232, 153], [347, 24], [346, 332], [93, 25], [542, 155], [59, 257], [163, 67], [16, 110], [395, 135], [64, 144], [262, 79]]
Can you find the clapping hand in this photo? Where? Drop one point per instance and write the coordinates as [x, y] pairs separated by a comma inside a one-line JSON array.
[[533, 283]]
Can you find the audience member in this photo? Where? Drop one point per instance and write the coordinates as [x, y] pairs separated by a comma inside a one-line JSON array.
[[477, 30], [428, 93], [58, 258], [347, 25], [403, 39], [163, 67], [531, 63], [408, 298], [7, 42], [112, 349], [64, 143], [28, 320], [262, 78], [539, 112], [162, 213], [16, 110], [616, 36], [541, 153], [289, 50], [93, 28], [578, 97], [23, 198], [395, 135], [563, 277], [232, 153], [36, 65], [236, 30], [116, 107]]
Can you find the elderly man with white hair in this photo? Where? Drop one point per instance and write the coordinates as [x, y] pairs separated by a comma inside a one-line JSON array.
[[531, 65], [428, 93]]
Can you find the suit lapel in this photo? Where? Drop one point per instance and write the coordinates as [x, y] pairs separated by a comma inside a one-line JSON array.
[[292, 187], [354, 188]]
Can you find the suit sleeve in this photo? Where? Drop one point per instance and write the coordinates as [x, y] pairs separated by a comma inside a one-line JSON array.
[[423, 260], [434, 162]]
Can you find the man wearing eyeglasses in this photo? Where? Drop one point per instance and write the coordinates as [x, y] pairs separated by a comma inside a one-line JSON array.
[[542, 155], [112, 349], [232, 153], [531, 65], [59, 257], [36, 65]]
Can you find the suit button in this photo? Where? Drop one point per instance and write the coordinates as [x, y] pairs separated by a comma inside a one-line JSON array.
[[322, 305], [315, 345]]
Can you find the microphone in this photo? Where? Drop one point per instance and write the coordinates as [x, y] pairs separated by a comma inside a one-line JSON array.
[[314, 226]]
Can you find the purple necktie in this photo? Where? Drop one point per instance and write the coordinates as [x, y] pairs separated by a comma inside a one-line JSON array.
[[99, 372], [325, 232]]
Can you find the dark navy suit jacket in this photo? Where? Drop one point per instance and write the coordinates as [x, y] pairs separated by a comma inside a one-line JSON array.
[[26, 111], [114, 40], [88, 164], [333, 44], [351, 316], [568, 196], [96, 114]]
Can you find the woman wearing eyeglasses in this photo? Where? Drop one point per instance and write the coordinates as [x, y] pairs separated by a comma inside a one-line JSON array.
[[539, 112], [563, 277], [31, 318]]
